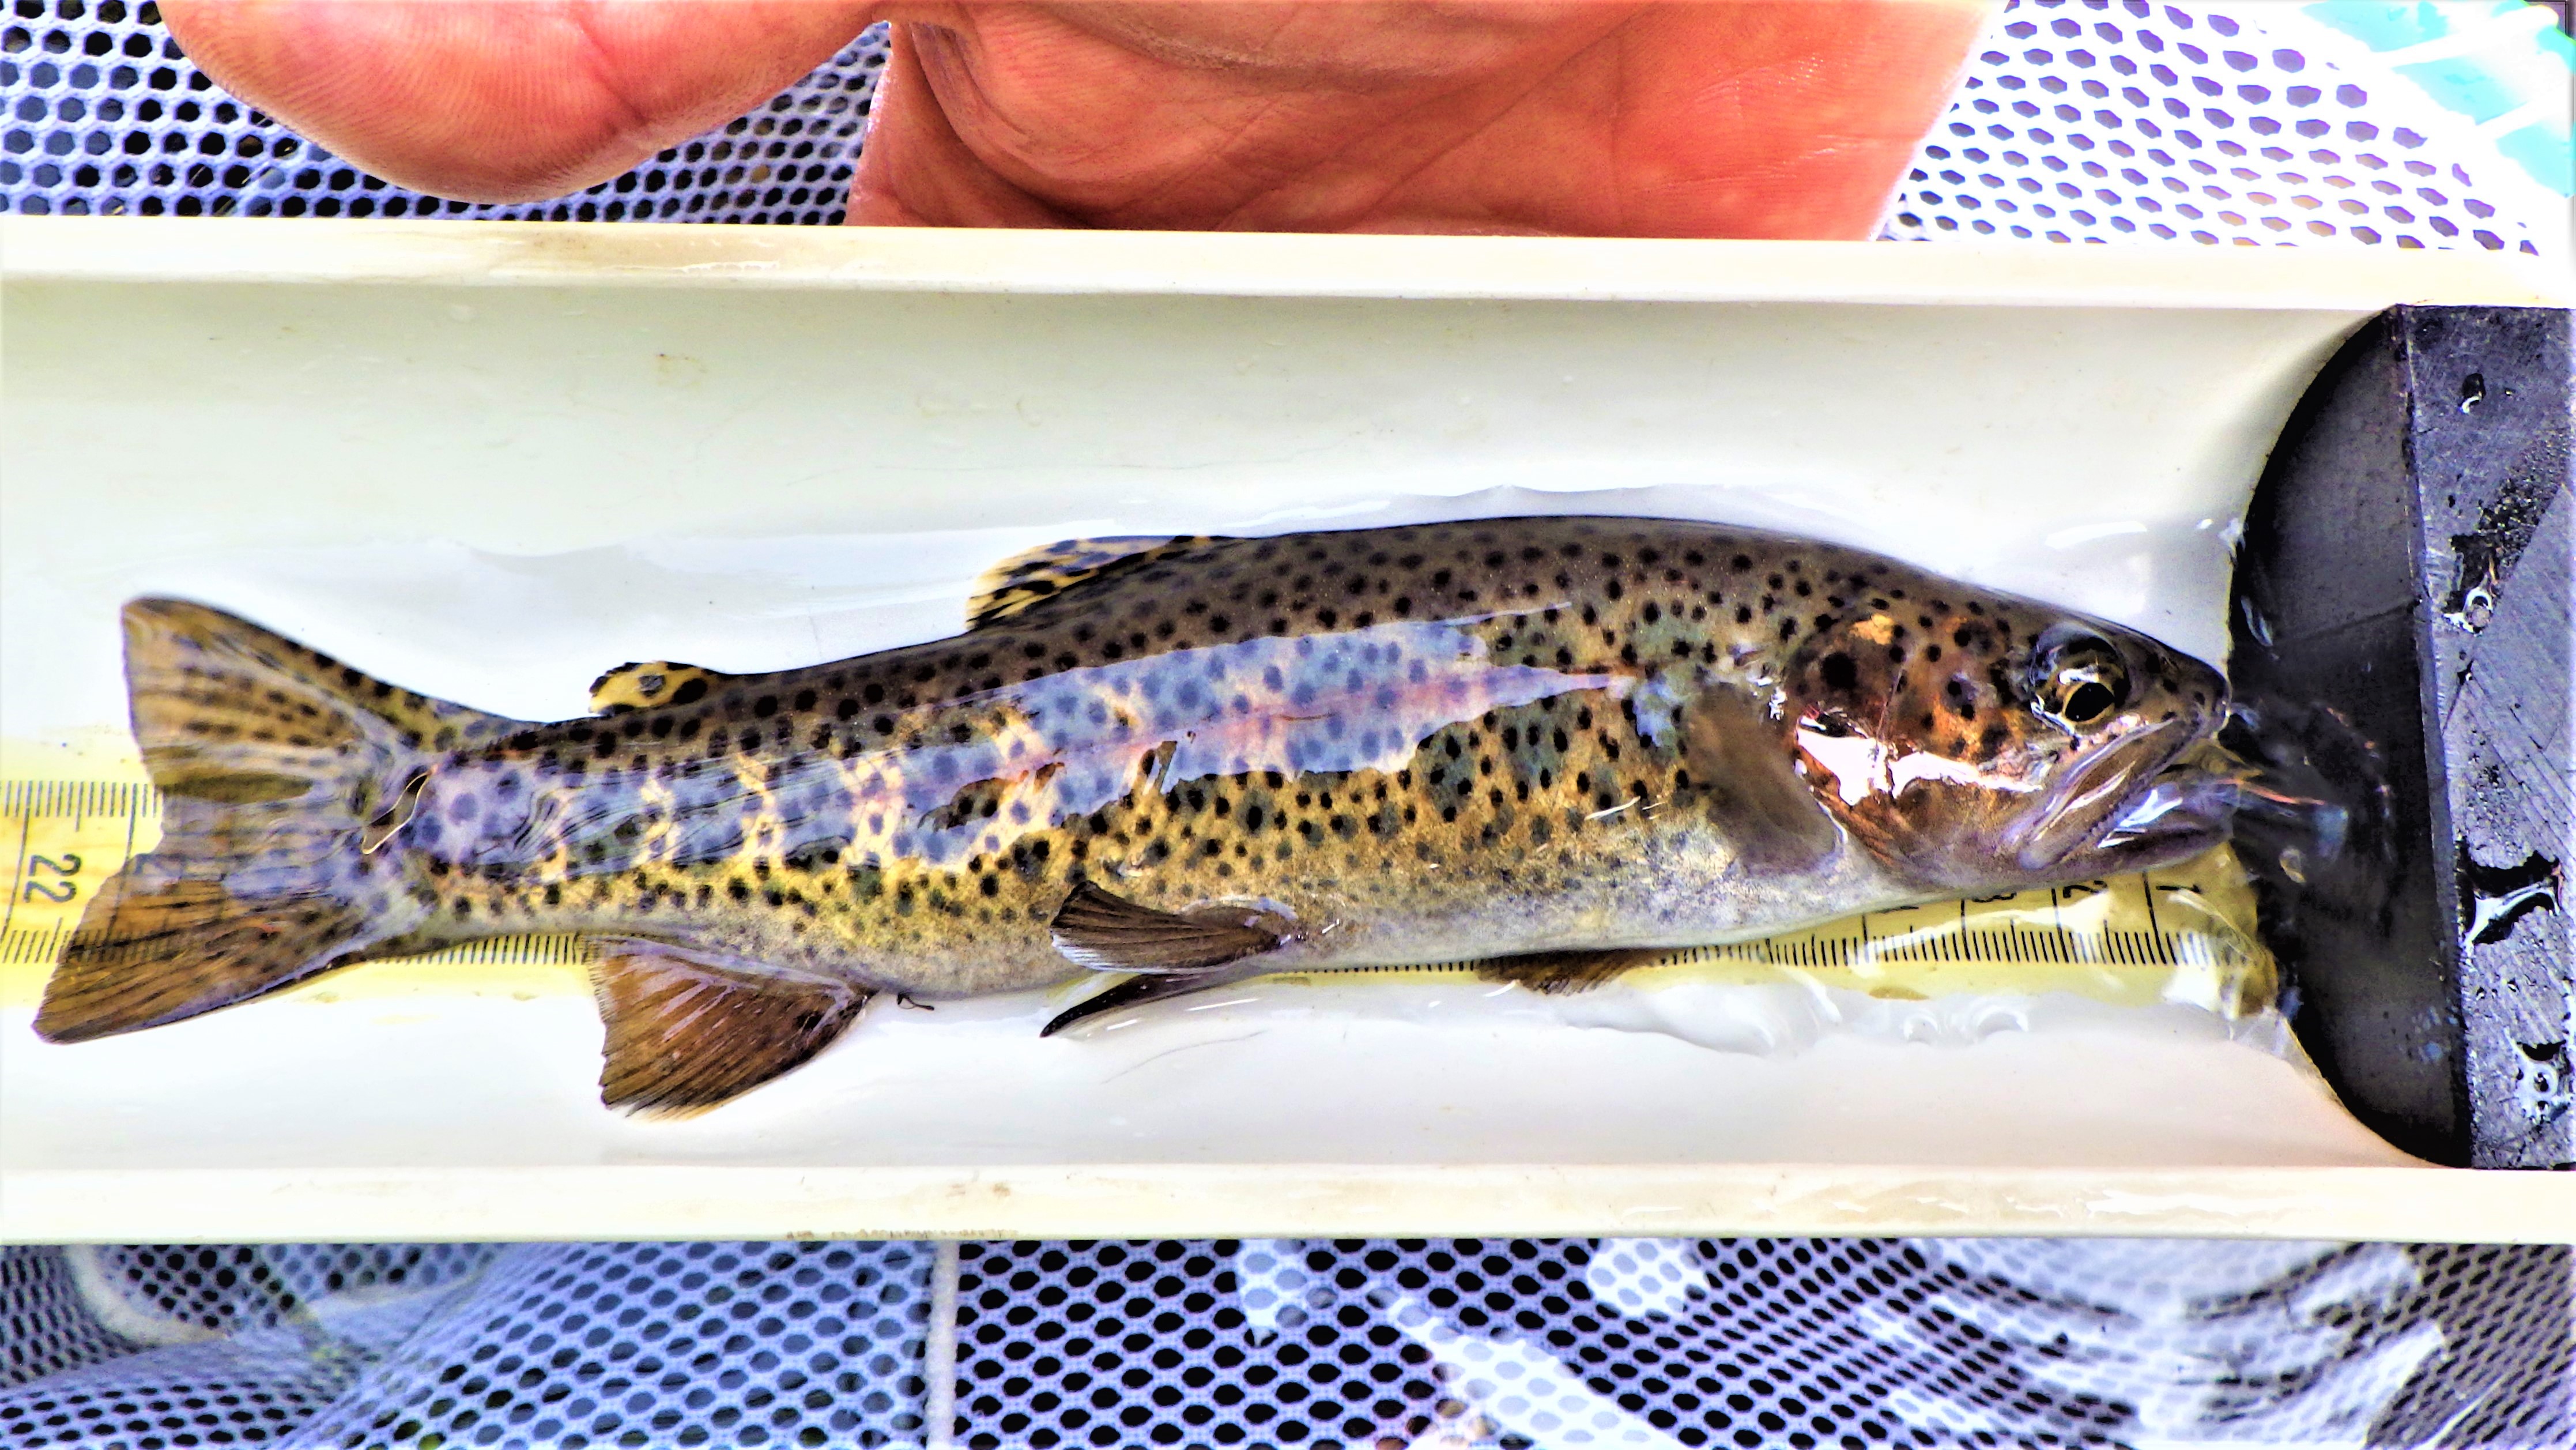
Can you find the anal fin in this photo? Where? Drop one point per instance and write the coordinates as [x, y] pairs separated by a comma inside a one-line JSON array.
[[1112, 934], [687, 1033], [656, 682], [1555, 974]]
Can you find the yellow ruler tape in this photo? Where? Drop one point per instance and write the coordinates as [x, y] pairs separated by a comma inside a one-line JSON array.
[[2182, 934], [67, 836]]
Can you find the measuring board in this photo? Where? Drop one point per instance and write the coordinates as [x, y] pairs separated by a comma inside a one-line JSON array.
[[2183, 934]]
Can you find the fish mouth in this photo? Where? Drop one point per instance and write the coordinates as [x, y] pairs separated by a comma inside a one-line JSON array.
[[2133, 794], [2184, 809], [2210, 792]]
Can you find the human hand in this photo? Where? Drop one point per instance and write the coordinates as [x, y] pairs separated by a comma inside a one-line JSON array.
[[1755, 118]]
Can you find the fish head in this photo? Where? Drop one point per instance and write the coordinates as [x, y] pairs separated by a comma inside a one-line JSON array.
[[1994, 743]]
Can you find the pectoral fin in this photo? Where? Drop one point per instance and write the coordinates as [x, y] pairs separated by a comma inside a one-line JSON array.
[[1550, 974], [686, 1032], [1025, 580], [658, 682], [1554, 974], [1742, 758], [1111, 934], [1137, 991]]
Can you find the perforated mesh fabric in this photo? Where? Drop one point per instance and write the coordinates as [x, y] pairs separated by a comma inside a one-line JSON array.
[[44, 1327], [555, 1345], [105, 116], [576, 1345], [1752, 1343], [157, 1347], [2507, 1375], [175, 1293], [1461, 1342], [2103, 122]]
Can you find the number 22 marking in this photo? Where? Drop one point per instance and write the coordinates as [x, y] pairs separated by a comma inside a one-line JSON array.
[[59, 891]]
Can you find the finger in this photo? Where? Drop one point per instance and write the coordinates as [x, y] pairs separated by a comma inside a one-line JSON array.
[[1801, 124], [1174, 115], [1751, 118], [507, 100]]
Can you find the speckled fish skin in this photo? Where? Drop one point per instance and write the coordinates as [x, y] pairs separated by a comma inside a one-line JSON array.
[[1427, 743], [1195, 759]]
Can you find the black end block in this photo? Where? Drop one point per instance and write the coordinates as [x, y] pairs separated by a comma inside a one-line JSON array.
[[2402, 641]]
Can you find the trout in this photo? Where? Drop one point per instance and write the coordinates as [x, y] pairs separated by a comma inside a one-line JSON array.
[[1549, 745]]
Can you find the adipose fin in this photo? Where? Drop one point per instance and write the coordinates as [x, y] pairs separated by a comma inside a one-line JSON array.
[[1028, 579]]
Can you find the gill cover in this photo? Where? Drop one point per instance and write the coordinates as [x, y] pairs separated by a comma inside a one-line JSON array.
[[1971, 743]]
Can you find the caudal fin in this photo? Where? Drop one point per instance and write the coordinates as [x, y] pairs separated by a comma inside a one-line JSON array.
[[283, 773]]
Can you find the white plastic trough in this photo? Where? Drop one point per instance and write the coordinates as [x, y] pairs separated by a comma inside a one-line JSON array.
[[485, 460]]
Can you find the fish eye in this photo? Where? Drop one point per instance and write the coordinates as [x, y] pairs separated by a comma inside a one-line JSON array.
[[2078, 676]]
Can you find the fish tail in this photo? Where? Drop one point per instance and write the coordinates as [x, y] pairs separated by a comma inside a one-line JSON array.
[[283, 774]]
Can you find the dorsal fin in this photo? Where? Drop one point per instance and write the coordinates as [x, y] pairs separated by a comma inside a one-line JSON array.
[[655, 682], [688, 1032], [1042, 573]]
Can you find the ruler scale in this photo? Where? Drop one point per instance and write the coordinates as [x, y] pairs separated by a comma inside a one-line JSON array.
[[70, 836], [2124, 938]]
